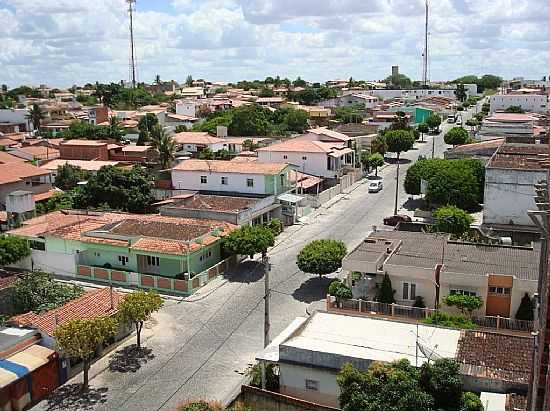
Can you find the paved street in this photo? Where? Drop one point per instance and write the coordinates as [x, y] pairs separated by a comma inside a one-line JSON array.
[[200, 349]]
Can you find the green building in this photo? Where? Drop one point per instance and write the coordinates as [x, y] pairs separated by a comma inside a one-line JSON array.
[[418, 114], [170, 254]]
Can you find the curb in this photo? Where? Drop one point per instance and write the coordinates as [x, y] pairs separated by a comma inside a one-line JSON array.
[[194, 298]]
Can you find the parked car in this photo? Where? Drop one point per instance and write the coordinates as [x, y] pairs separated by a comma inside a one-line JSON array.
[[396, 219], [451, 118], [375, 186]]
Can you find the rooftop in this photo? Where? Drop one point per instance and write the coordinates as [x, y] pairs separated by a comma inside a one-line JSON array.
[[98, 303], [213, 202], [520, 156], [425, 250], [196, 137], [77, 142], [303, 145], [15, 172], [511, 117], [220, 166], [40, 152], [6, 158], [88, 165]]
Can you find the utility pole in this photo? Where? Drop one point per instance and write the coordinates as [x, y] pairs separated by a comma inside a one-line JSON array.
[[397, 186], [425, 54], [433, 147], [267, 323], [132, 45]]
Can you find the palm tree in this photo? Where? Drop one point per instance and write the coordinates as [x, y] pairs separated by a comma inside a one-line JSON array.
[[36, 116], [164, 144]]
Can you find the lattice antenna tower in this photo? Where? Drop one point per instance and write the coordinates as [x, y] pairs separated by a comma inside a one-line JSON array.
[[133, 63]]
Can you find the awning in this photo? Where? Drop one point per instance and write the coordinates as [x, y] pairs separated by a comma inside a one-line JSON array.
[[290, 198], [340, 153], [24, 362]]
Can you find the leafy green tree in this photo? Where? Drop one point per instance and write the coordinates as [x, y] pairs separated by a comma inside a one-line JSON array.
[[452, 220], [145, 127], [137, 308], [114, 130], [180, 128], [386, 291], [207, 154], [400, 81], [189, 81], [460, 92], [249, 240], [59, 201], [266, 92], [490, 82], [119, 189], [275, 226], [12, 249], [423, 128], [321, 256], [80, 339], [271, 377], [441, 380], [385, 386], [38, 292], [471, 402], [374, 161], [515, 109], [526, 308], [465, 303], [378, 145], [296, 120], [35, 116], [68, 176], [434, 121], [398, 141], [351, 114], [252, 120], [456, 136], [164, 144], [400, 122], [340, 290], [472, 123], [299, 82], [455, 186]]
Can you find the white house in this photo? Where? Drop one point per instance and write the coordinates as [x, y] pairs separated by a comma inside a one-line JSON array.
[[310, 156], [217, 176], [510, 176], [529, 102], [16, 116]]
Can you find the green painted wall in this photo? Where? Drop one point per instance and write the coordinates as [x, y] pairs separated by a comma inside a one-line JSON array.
[[274, 181], [419, 114]]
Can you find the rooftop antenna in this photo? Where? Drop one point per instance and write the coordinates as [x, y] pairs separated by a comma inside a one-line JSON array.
[[425, 53], [131, 8]]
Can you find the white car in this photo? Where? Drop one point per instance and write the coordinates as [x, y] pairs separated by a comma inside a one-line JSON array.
[[375, 186]]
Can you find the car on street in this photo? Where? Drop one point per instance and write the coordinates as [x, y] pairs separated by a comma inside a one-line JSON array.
[[375, 186], [459, 121], [451, 118], [396, 219]]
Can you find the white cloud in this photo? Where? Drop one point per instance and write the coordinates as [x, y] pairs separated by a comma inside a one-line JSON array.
[[62, 42]]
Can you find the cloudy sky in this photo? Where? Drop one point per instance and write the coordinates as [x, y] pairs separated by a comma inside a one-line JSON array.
[[62, 42]]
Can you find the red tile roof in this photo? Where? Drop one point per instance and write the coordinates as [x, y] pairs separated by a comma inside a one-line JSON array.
[[303, 145], [44, 196], [195, 137], [6, 158], [14, 172], [40, 152], [220, 166], [93, 304]]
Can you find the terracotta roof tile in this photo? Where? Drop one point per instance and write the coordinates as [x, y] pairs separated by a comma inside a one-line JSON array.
[[7, 158], [14, 172], [93, 304], [44, 196], [220, 166], [40, 152], [303, 145], [88, 165]]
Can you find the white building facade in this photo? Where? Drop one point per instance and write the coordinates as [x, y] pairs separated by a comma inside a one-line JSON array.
[[533, 103]]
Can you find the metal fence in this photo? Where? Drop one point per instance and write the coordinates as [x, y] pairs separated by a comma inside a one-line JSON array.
[[404, 311]]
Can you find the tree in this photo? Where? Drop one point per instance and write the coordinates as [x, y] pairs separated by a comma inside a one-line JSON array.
[[515, 109], [275, 226], [452, 220], [189, 81], [249, 240], [374, 161], [157, 80], [455, 186], [321, 256], [206, 154], [295, 120], [378, 145], [250, 120], [398, 141], [434, 121], [180, 128], [299, 82], [145, 127], [472, 123], [119, 189], [490, 82], [137, 308], [471, 402], [80, 338], [456, 136], [38, 292], [271, 376], [114, 129], [68, 176], [12, 249], [460, 92], [200, 405], [339, 290], [386, 291], [59, 201], [423, 128], [441, 380], [526, 308], [164, 144], [35, 116], [465, 303], [384, 386], [400, 81], [266, 92], [400, 122]]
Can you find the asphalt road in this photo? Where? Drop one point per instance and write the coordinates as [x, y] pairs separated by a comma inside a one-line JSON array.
[[201, 349]]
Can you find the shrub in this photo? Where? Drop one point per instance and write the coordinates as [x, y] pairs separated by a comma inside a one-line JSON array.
[[386, 291], [450, 321], [465, 303], [419, 302], [525, 309], [339, 290], [200, 406], [452, 220], [321, 256], [275, 226]]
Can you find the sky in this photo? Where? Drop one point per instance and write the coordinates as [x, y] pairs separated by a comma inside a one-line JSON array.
[[66, 42]]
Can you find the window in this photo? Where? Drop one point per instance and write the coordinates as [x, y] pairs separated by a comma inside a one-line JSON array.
[[282, 179], [204, 179], [285, 157], [304, 158], [151, 260], [122, 259], [500, 290], [250, 182], [312, 385], [37, 245], [409, 291], [225, 181], [462, 292]]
